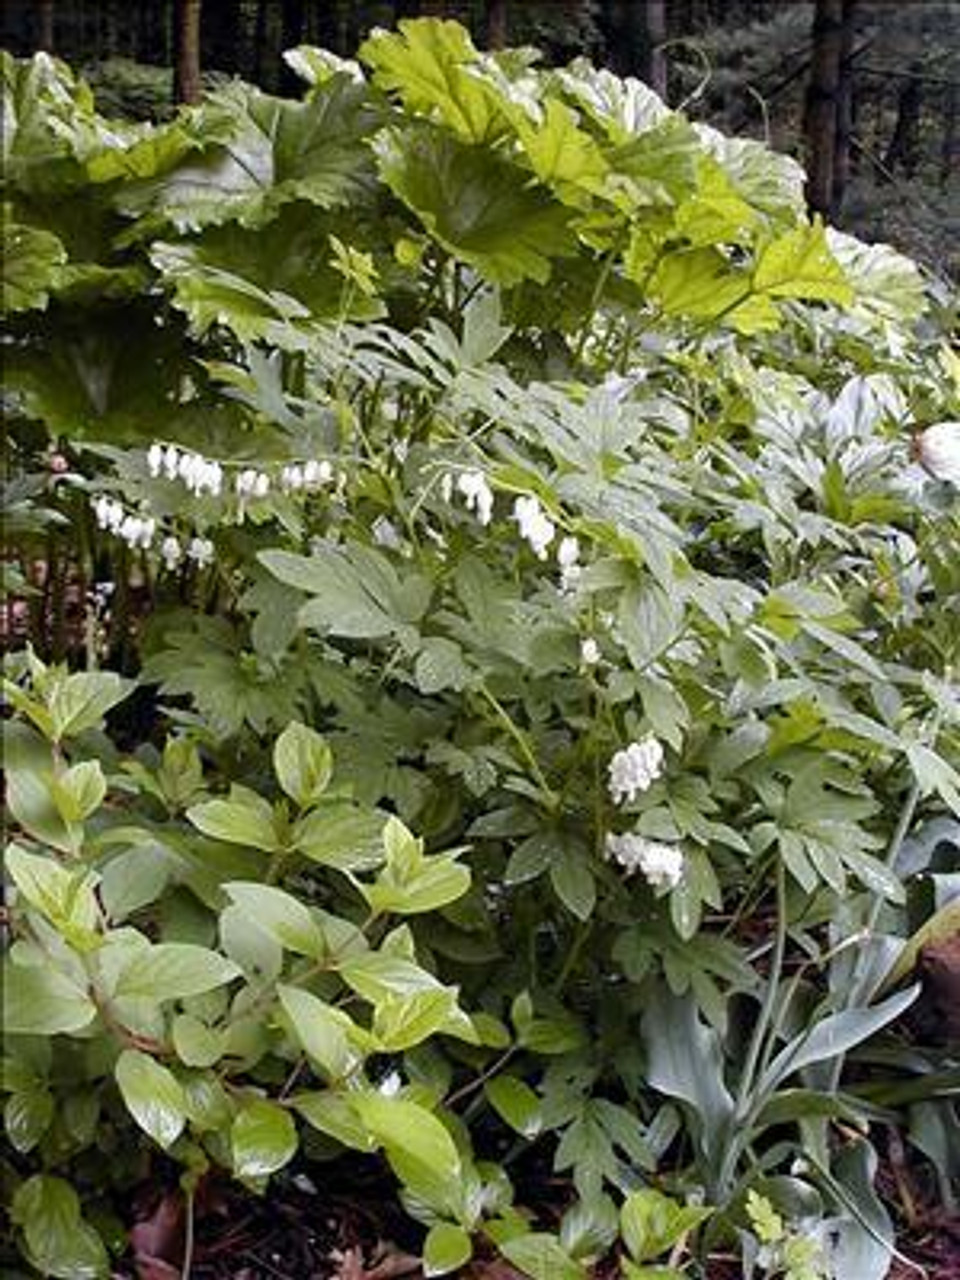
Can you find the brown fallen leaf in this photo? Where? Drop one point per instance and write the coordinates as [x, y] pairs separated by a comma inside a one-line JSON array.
[[384, 1266], [158, 1240]]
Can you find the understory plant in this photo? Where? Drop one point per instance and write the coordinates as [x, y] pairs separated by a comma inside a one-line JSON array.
[[516, 554]]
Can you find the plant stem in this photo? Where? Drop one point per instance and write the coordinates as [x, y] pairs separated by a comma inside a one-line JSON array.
[[744, 1101], [482, 1078], [520, 738], [573, 955], [188, 1238], [595, 298]]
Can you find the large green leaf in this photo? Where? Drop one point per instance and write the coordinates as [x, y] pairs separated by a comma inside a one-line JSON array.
[[31, 265], [263, 1138], [280, 915], [323, 1031], [153, 1095], [43, 1001], [262, 152], [357, 592], [478, 205], [27, 1115], [418, 1146], [623, 106], [684, 1061], [118, 379], [799, 264], [563, 156], [341, 834], [245, 818], [173, 971], [425, 61], [834, 1035], [303, 763], [652, 1223], [542, 1257], [446, 1248], [58, 1241]]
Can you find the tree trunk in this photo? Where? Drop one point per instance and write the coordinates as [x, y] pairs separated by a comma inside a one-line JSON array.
[[841, 148], [655, 37], [496, 24], [45, 26], [186, 76], [820, 114], [904, 146]]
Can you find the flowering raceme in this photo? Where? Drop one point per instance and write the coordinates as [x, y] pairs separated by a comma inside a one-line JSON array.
[[134, 530], [477, 494], [635, 769], [535, 526], [660, 864]]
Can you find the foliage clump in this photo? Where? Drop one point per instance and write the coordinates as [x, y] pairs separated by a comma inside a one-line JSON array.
[[506, 492]]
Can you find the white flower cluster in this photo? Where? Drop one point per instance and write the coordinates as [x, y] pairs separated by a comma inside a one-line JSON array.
[[297, 477], [135, 530], [661, 865], [476, 493], [199, 474], [199, 550], [635, 769], [250, 483], [204, 475], [589, 652], [538, 529], [938, 451], [568, 558], [139, 531]]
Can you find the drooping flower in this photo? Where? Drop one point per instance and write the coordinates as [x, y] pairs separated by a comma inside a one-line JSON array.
[[538, 529], [171, 552], [635, 769], [109, 513], [200, 551], [477, 494], [155, 459], [171, 462], [938, 451], [137, 531], [589, 652], [568, 558], [317, 472], [660, 864]]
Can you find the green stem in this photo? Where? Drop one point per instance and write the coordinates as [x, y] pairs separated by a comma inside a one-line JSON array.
[[482, 1078], [573, 955], [595, 299], [520, 738], [188, 1242], [744, 1101]]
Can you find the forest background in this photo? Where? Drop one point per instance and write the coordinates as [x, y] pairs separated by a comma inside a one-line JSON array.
[[866, 94]]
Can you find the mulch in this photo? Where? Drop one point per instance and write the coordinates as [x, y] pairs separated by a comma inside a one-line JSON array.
[[347, 1225]]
